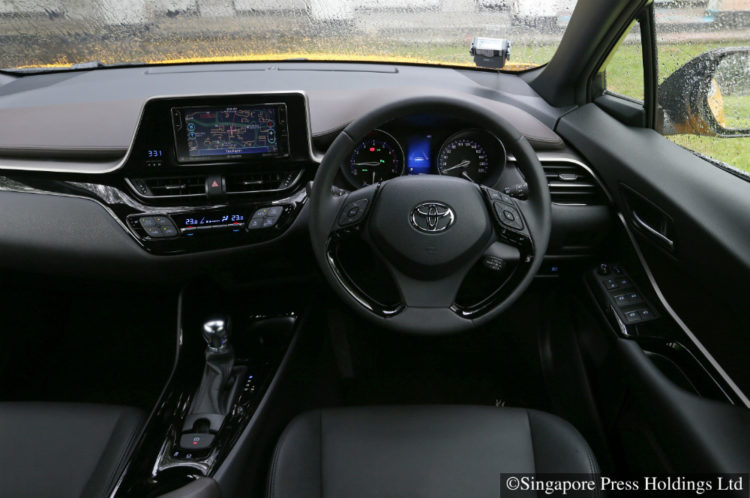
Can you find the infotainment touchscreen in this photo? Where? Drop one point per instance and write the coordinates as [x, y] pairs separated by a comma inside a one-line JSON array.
[[230, 132]]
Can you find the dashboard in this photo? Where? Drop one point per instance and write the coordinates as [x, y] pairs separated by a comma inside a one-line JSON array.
[[207, 178]]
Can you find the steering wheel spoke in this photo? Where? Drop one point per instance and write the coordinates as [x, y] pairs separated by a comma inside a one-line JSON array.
[[420, 292], [347, 213], [511, 221]]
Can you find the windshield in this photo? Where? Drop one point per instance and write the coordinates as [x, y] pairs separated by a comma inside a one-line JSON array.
[[61, 33]]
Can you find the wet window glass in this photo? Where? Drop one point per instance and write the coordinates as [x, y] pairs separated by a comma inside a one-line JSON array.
[[623, 70], [704, 78], [51, 33]]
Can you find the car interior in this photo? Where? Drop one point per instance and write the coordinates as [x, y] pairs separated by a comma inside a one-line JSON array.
[[415, 279]]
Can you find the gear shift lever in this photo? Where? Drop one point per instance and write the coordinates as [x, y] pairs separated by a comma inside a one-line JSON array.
[[214, 395], [216, 333]]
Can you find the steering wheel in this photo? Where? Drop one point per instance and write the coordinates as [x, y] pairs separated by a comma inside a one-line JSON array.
[[431, 230]]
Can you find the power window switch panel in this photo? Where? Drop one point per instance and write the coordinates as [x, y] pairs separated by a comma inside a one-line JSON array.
[[634, 297], [632, 317], [622, 299], [646, 314]]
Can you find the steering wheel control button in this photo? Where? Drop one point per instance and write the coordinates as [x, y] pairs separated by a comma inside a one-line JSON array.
[[196, 441], [508, 216], [519, 191], [496, 195], [493, 263], [353, 212], [255, 223]]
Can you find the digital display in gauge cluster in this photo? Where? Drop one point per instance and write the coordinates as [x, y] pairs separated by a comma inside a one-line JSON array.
[[419, 147]]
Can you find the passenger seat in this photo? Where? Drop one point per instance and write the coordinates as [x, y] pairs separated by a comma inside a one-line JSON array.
[[64, 450]]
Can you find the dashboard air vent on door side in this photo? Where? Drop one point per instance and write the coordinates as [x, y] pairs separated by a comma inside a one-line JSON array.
[[571, 183]]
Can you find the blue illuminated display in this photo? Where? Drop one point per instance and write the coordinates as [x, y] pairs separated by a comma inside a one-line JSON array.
[[418, 161]]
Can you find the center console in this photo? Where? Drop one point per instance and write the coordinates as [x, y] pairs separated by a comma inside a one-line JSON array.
[[211, 172], [233, 351]]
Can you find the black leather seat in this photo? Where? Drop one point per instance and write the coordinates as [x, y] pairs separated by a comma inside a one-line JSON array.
[[440, 451], [63, 449]]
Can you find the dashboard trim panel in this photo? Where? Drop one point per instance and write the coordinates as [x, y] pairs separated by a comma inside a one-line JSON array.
[[68, 166]]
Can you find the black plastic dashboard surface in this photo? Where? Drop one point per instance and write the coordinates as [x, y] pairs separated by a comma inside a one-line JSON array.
[[85, 121]]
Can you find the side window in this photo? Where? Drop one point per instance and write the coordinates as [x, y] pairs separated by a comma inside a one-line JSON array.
[[704, 78], [622, 72]]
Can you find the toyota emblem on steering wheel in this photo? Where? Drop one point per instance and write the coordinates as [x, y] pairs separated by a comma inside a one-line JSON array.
[[432, 217]]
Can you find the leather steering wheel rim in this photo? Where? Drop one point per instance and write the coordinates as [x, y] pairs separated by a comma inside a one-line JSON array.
[[325, 209]]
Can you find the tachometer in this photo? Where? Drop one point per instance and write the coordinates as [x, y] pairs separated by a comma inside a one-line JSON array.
[[473, 155], [376, 158]]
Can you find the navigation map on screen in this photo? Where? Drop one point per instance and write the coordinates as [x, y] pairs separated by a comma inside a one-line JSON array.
[[231, 130]]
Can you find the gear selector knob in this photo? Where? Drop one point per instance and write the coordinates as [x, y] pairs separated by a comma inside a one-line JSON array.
[[216, 332]]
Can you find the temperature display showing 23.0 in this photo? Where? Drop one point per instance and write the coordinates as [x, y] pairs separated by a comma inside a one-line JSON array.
[[221, 219]]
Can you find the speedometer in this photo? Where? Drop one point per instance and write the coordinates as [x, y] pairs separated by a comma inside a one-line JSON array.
[[473, 155], [378, 157]]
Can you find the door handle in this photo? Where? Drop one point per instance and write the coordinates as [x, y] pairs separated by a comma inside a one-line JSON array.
[[638, 221]]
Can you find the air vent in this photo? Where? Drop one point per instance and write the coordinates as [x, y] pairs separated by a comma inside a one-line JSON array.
[[262, 181], [571, 183], [178, 186]]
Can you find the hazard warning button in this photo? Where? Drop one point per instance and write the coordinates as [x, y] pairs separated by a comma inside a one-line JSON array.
[[214, 185]]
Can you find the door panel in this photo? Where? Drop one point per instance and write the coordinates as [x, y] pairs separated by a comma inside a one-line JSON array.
[[691, 223]]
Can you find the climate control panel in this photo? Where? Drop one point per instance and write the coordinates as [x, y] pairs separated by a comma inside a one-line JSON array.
[[196, 229]]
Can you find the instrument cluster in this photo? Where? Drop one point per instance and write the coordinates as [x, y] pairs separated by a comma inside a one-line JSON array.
[[469, 153]]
